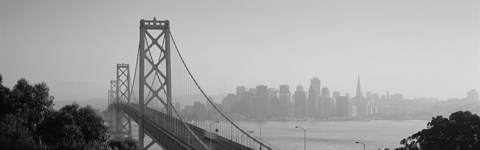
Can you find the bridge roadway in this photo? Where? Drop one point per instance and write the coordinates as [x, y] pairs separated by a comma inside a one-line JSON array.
[[171, 133]]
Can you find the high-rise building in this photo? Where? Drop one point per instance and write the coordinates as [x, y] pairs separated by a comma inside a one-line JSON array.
[[300, 99], [342, 106], [472, 95], [261, 101], [240, 91], [325, 92], [313, 97], [247, 101], [329, 108], [359, 95], [284, 101], [361, 105], [325, 104], [177, 106], [352, 110], [200, 111], [227, 103], [335, 94], [274, 102]]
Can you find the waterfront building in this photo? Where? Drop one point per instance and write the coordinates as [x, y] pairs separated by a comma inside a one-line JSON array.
[[342, 106], [300, 98], [313, 97], [261, 101], [284, 101]]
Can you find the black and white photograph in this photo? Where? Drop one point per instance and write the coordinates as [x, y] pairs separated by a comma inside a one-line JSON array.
[[239, 75]]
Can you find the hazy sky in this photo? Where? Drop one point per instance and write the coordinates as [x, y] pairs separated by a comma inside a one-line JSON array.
[[416, 47]]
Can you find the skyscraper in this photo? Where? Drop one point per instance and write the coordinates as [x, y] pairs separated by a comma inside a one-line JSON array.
[[325, 104], [274, 103], [300, 102], [240, 91], [285, 101], [227, 103], [243, 100], [261, 101], [359, 101], [359, 90], [342, 106], [199, 110], [313, 97]]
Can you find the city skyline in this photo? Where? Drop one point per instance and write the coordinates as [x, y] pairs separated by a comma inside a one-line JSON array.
[[240, 74], [418, 48]]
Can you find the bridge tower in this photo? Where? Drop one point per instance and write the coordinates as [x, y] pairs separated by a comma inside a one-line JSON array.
[[122, 94], [154, 67], [111, 92], [111, 100]]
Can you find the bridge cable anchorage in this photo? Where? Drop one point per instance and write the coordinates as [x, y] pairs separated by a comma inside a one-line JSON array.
[[269, 147]]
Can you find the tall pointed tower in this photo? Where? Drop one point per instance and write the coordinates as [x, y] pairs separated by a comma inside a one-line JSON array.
[[359, 90], [361, 105]]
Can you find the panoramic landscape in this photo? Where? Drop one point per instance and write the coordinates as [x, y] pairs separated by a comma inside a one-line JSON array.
[[240, 74]]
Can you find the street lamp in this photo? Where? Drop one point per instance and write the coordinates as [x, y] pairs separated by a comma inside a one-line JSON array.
[[241, 138], [260, 129], [304, 137], [210, 139], [361, 143]]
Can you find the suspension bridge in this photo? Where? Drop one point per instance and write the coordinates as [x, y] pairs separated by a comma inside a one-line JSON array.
[[167, 103]]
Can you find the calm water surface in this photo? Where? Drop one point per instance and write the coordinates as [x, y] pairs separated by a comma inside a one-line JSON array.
[[332, 135]]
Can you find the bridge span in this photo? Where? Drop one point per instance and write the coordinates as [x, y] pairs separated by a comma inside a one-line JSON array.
[[149, 100]]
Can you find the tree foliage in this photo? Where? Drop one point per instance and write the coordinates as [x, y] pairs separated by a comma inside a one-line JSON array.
[[127, 144], [73, 127], [21, 111], [28, 121], [460, 131]]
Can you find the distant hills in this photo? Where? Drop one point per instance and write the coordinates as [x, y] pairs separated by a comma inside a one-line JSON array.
[[101, 103], [95, 103]]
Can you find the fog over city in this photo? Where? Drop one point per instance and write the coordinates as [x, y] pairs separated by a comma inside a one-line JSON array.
[[240, 74], [417, 48]]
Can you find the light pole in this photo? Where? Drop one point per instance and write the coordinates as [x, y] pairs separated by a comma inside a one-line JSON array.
[[210, 139], [241, 138], [260, 129], [304, 137], [361, 143]]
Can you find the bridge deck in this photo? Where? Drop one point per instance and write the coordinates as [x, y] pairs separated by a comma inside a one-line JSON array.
[[171, 133]]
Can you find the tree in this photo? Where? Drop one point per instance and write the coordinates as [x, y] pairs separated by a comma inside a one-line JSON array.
[[73, 127], [28, 121], [30, 102], [21, 111], [461, 131], [126, 144]]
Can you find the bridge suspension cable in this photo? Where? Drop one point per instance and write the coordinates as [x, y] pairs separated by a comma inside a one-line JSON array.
[[180, 122], [212, 103]]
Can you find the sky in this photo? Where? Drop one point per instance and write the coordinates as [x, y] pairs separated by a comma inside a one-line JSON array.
[[421, 48]]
